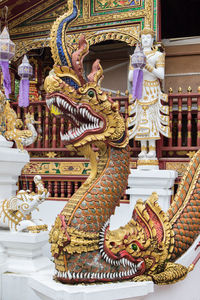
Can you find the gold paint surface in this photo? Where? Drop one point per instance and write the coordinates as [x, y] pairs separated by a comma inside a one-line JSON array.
[[59, 168]]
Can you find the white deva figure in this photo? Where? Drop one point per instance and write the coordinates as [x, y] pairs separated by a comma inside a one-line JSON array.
[[150, 116]]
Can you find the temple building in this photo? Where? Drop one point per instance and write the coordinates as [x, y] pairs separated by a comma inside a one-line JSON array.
[[99, 149], [112, 29]]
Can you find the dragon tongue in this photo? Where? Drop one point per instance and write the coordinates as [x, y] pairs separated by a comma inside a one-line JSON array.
[[55, 111]]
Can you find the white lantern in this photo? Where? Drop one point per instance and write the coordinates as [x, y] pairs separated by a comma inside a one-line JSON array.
[[25, 70], [7, 47]]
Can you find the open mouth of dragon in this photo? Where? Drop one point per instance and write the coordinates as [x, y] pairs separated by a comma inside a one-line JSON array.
[[84, 121]]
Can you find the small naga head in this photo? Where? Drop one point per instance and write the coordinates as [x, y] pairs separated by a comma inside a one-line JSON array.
[[144, 244], [92, 113], [29, 119]]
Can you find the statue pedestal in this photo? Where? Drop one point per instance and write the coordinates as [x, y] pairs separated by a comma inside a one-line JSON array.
[[142, 183], [147, 164], [41, 286], [11, 163], [23, 251]]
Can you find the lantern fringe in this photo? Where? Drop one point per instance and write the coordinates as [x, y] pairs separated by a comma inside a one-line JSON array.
[[137, 83], [24, 93], [6, 77]]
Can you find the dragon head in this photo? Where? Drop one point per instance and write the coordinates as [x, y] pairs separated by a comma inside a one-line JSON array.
[[92, 113], [144, 244]]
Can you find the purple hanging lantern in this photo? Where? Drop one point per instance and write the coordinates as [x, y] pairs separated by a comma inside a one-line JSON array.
[[25, 71], [138, 61], [7, 51]]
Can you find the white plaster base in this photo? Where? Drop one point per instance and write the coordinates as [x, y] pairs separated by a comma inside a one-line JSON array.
[[15, 287], [24, 251], [41, 286], [46, 288], [142, 183], [11, 163]]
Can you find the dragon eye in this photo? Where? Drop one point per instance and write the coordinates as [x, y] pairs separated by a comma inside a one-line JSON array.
[[91, 94], [134, 247]]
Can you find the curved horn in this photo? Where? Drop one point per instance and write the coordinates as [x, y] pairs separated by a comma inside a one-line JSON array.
[[96, 74], [78, 56]]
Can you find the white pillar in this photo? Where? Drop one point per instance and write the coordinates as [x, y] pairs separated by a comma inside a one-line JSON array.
[[142, 183], [24, 251], [11, 163]]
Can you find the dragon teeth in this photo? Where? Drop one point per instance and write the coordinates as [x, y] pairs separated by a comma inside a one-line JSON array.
[[50, 102], [132, 272], [84, 112], [69, 275], [101, 124], [61, 102], [122, 262], [72, 112], [88, 275], [139, 264], [58, 100]]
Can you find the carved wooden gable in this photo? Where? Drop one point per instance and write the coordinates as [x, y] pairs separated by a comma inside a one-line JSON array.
[[30, 21]]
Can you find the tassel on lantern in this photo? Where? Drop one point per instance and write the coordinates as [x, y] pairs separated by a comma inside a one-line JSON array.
[[25, 70], [24, 93], [6, 77], [7, 51], [137, 83], [138, 61]]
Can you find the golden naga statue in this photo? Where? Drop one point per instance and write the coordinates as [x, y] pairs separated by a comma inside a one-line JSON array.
[[84, 248], [10, 125]]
